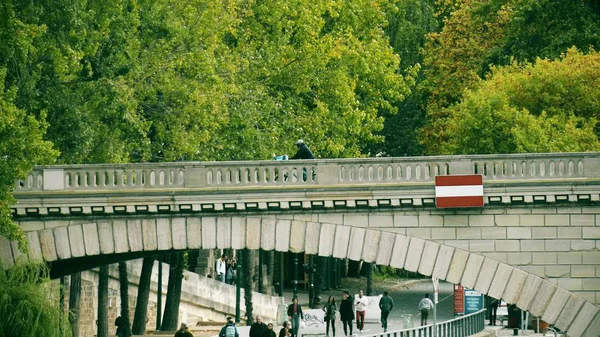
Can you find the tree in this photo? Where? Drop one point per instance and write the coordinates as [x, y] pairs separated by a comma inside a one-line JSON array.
[[549, 106], [247, 283], [28, 305], [171, 314], [21, 148], [141, 307], [124, 294], [74, 302], [103, 302]]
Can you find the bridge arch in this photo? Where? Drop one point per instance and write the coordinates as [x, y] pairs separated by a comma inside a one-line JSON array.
[[284, 233]]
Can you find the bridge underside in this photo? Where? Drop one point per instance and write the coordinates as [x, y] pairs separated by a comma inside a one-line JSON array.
[[80, 246]]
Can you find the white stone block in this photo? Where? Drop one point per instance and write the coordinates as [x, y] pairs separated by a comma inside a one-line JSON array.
[[297, 236], [6, 256], [544, 258], [267, 230], [282, 235], [164, 235], [518, 232], [442, 263], [457, 266], [530, 289], [556, 305], [430, 255], [405, 220], [443, 234], [421, 233], [76, 240], [426, 220], [17, 253], [356, 220], [481, 246], [570, 258], [379, 220], [582, 220], [590, 257], [252, 233], [313, 234], [342, 241], [333, 218], [400, 251], [472, 270], [570, 311], [105, 234], [531, 220], [491, 233], [583, 320], [414, 254], [583, 245], [456, 221], [593, 330], [35, 250], [542, 298], [506, 220], [569, 232], [532, 246], [135, 236], [90, 238], [120, 236], [47, 244], [484, 280], [371, 245], [223, 236], [514, 286], [178, 232], [326, 240], [544, 233], [501, 277], [386, 246], [481, 220], [468, 233], [508, 246], [194, 233], [557, 220]]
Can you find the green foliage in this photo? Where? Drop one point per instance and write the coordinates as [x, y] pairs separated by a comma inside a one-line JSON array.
[[28, 303], [21, 148], [549, 106], [479, 35]]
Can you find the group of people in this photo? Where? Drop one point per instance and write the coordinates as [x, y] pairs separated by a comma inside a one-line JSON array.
[[225, 269]]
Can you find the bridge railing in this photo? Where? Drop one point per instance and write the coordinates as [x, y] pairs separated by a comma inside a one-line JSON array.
[[308, 172], [466, 325]]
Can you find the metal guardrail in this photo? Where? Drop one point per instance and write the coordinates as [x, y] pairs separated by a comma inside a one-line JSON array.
[[458, 327], [148, 176]]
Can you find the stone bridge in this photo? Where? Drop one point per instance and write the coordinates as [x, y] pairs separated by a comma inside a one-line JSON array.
[[535, 242]]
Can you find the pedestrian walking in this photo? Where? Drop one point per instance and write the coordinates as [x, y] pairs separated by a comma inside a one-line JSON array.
[[220, 268], [330, 309], [346, 312], [229, 330], [425, 306], [386, 303], [269, 332], [294, 312], [286, 331], [258, 327], [183, 331], [493, 309], [360, 304]]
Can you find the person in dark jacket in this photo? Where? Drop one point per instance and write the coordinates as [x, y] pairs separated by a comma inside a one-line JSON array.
[[386, 303], [303, 151], [294, 312], [330, 309], [258, 327], [346, 312], [183, 331], [269, 332], [286, 331]]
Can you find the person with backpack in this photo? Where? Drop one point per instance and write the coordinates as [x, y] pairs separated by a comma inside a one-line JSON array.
[[229, 330], [183, 331], [425, 306]]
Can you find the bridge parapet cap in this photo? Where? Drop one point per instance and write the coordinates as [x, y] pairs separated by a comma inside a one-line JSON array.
[[386, 170]]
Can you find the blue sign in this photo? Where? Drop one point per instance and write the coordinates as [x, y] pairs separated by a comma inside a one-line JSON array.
[[473, 301]]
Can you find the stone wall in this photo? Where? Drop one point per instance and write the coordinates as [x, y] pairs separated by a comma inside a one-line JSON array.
[[203, 299]]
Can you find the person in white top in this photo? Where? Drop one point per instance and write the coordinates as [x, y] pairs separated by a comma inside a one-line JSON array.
[[425, 306], [360, 305], [221, 266]]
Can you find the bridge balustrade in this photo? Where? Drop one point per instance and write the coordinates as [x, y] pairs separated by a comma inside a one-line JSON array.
[[308, 172]]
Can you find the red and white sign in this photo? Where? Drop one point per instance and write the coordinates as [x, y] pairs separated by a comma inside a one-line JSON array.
[[459, 191]]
